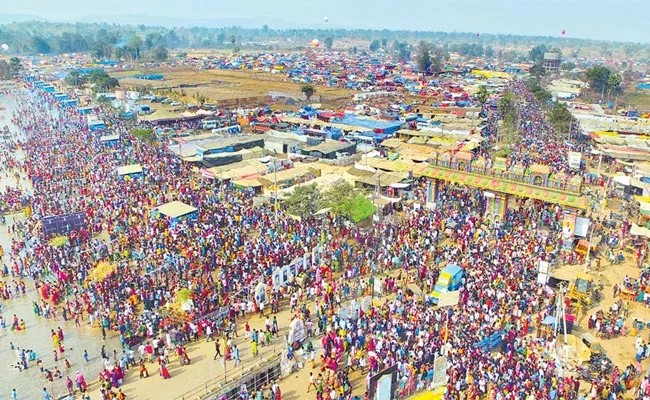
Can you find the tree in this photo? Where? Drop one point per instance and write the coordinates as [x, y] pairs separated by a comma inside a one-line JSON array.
[[15, 66], [160, 53], [308, 90], [143, 134], [304, 201], [537, 70], [568, 66], [40, 45], [328, 43], [135, 45], [536, 54], [221, 38], [598, 77], [424, 57], [508, 110], [403, 50], [5, 73], [374, 45], [384, 43], [614, 82], [75, 79], [560, 117], [101, 81], [482, 95]]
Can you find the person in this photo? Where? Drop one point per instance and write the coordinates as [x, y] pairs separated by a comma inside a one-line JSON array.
[[143, 370], [311, 382], [235, 355], [69, 385], [14, 394], [163, 370], [86, 356], [217, 347], [120, 395], [46, 394]]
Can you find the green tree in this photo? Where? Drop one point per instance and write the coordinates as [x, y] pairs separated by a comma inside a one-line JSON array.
[[145, 135], [614, 82], [5, 73], [384, 43], [423, 58], [75, 79], [40, 45], [308, 90], [598, 78], [537, 70], [328, 42], [560, 117], [568, 66], [374, 45], [304, 201], [402, 50], [15, 66], [536, 54], [508, 109], [136, 44], [160, 53], [221, 38], [482, 95]]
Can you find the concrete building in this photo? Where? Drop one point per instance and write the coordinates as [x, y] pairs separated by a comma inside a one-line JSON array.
[[551, 63]]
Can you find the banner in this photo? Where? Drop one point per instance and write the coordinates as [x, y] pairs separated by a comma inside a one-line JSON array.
[[440, 366], [568, 224]]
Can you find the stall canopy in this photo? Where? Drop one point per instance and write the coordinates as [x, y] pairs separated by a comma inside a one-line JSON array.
[[175, 209], [129, 169], [640, 231]]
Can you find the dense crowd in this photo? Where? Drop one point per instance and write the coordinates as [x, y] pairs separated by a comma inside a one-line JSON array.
[[233, 246]]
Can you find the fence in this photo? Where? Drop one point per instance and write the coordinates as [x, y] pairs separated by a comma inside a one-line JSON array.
[[255, 378]]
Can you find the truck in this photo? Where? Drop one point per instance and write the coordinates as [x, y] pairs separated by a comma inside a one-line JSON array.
[[450, 279]]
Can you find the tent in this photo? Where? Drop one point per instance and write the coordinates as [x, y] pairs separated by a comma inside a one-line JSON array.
[[176, 211], [132, 171]]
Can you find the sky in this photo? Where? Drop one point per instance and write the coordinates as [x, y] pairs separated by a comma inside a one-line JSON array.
[[589, 19]]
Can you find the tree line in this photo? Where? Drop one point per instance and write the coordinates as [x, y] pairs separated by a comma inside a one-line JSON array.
[[152, 42]]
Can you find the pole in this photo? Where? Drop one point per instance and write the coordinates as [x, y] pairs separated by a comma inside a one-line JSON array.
[[591, 234], [275, 186], [600, 161]]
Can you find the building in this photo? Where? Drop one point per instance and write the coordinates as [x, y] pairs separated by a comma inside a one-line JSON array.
[[330, 148], [551, 63]]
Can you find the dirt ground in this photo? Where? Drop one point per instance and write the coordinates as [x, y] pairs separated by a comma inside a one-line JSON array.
[[219, 85]]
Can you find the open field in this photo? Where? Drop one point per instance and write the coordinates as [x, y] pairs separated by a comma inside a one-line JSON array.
[[636, 98], [221, 85]]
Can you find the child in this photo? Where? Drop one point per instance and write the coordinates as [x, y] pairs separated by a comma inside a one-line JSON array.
[[143, 370]]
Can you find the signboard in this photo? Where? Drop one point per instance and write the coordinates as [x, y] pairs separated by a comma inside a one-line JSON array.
[[377, 287], [440, 366], [574, 159], [383, 385], [582, 226], [568, 224], [542, 278], [449, 298], [543, 267], [296, 331]]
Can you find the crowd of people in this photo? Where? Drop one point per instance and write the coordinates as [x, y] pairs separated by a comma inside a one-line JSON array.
[[232, 247]]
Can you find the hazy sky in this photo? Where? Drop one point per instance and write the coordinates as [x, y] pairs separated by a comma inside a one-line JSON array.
[[595, 19]]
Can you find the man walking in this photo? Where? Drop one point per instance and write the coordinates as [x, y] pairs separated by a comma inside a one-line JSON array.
[[217, 347]]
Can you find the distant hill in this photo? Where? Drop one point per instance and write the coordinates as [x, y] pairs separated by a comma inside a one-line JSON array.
[[9, 18]]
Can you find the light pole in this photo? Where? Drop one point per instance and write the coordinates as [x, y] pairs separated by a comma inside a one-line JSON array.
[[591, 234], [275, 188]]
